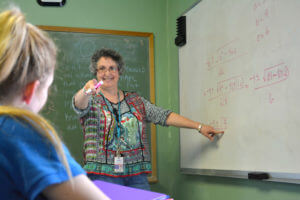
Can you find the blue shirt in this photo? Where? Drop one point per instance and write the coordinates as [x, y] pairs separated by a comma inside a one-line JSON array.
[[28, 161]]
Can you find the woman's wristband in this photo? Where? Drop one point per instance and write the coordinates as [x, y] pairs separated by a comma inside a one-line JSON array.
[[85, 92], [199, 128]]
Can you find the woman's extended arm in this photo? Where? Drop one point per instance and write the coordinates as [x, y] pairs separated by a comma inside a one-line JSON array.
[[81, 99], [183, 122]]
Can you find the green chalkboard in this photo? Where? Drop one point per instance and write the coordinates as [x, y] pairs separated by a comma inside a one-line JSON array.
[[76, 46]]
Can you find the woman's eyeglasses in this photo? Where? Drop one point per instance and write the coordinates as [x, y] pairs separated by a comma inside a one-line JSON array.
[[110, 69]]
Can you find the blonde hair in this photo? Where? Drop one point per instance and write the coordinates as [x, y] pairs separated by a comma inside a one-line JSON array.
[[26, 54]]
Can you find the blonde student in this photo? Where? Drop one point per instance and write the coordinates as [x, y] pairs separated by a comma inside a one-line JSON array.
[[34, 162]]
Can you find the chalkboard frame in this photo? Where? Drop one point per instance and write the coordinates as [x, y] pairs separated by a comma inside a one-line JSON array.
[[150, 37]]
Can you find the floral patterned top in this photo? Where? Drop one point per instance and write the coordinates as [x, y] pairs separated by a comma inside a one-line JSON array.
[[101, 139]]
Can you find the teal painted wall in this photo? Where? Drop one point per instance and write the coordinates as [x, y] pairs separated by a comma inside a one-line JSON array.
[[159, 17]]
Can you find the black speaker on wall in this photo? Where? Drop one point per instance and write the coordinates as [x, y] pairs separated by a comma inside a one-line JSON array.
[[58, 3], [180, 39]]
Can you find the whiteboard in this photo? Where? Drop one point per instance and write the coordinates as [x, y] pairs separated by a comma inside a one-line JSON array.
[[239, 73]]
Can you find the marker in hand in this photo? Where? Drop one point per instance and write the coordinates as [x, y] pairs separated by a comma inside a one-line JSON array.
[[96, 87]]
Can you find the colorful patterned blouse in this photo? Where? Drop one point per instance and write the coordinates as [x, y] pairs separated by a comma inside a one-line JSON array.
[[101, 140]]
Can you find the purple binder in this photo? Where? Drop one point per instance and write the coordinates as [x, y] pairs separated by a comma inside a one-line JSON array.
[[115, 192]]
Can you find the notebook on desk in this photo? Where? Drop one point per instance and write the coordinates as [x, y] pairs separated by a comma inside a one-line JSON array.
[[115, 192]]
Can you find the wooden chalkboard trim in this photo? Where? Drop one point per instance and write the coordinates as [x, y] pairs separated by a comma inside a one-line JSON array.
[[153, 177], [92, 30]]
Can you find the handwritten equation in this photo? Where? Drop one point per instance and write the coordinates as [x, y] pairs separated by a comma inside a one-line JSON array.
[[232, 50], [269, 76], [219, 124], [226, 53], [263, 15]]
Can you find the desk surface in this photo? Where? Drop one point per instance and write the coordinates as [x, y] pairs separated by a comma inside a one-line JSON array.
[[115, 191]]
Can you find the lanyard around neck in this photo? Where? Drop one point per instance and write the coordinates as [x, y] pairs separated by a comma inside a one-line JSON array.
[[113, 114]]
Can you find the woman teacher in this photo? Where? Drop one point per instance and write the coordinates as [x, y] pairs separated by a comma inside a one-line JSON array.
[[114, 121]]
